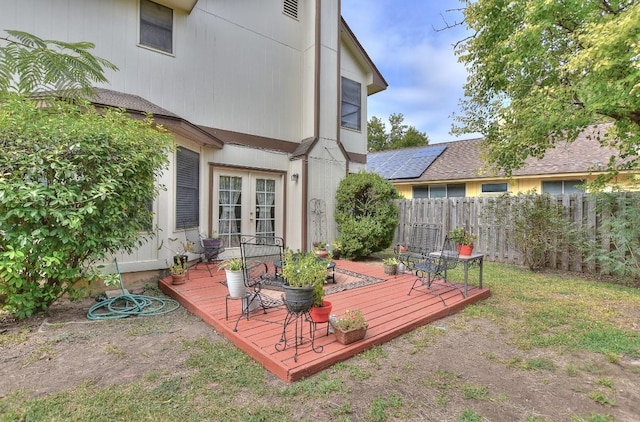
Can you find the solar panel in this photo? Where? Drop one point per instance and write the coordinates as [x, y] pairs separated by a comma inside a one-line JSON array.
[[403, 163]]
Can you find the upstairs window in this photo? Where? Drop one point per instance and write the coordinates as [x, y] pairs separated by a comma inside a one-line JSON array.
[[351, 104], [156, 26]]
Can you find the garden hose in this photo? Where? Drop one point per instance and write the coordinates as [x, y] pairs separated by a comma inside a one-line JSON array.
[[127, 305]]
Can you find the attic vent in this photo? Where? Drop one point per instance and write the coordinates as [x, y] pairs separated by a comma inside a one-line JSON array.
[[290, 8]]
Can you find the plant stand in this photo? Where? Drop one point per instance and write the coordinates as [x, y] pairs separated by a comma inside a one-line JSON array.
[[298, 319]]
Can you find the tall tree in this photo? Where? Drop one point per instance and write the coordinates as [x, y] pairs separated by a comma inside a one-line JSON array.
[[400, 135], [542, 71]]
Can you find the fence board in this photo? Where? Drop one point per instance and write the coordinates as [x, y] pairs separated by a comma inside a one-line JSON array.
[[493, 240]]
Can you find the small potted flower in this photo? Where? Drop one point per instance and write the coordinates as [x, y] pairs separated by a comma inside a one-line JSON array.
[[463, 239], [178, 272], [351, 327], [336, 251], [320, 249], [390, 265]]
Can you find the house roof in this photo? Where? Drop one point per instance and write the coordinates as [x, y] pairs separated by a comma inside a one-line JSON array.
[[377, 83], [407, 163], [136, 105], [461, 160]]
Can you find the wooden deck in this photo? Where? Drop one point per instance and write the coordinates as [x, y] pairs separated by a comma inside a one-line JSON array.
[[389, 311]]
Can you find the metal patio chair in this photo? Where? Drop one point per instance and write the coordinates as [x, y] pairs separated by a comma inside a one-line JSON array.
[[432, 270], [207, 256], [423, 240]]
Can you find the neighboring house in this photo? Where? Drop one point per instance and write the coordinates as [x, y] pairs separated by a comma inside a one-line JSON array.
[[266, 100], [456, 169]]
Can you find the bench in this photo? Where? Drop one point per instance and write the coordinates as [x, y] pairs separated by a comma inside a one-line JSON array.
[[423, 239]]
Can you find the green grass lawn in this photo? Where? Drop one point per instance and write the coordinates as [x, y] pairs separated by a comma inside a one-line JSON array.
[[557, 313]]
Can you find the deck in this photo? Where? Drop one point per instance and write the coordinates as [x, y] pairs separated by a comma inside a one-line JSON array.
[[389, 311]]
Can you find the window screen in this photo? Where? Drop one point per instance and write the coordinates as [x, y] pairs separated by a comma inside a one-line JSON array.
[[187, 188], [156, 26]]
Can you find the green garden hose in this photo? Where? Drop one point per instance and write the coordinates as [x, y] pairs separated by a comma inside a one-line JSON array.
[[127, 305]]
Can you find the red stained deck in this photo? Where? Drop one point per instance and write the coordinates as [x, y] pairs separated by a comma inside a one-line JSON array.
[[389, 311]]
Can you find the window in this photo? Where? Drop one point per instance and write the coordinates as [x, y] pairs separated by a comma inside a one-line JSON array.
[[558, 187], [187, 188], [156, 26], [494, 188], [351, 106], [440, 191]]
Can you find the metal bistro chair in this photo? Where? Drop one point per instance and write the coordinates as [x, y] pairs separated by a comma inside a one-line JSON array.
[[423, 239], [208, 255], [432, 270]]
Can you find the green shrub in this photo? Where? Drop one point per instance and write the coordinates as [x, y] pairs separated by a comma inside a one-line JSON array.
[[366, 214], [535, 225], [75, 186]]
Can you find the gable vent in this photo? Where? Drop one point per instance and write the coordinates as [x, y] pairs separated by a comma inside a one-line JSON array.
[[290, 8]]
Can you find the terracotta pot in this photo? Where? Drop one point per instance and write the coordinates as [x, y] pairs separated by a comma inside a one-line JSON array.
[[321, 313], [322, 253], [466, 249], [347, 337], [178, 278]]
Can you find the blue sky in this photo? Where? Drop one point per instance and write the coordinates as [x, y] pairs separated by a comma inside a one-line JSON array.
[[424, 76]]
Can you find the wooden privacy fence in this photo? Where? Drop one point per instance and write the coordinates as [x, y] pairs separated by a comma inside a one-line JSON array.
[[493, 239]]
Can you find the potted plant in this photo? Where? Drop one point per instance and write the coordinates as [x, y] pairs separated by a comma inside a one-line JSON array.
[[463, 239], [352, 326], [321, 309], [336, 252], [178, 272], [234, 269], [320, 249], [304, 276], [390, 265]]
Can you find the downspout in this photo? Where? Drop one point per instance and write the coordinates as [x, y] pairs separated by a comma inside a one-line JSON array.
[[316, 126]]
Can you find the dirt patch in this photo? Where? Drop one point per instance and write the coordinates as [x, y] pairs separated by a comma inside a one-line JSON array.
[[437, 371]]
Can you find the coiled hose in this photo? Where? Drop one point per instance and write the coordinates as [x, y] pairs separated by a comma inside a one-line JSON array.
[[127, 305]]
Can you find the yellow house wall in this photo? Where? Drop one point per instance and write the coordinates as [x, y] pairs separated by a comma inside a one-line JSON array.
[[517, 185]]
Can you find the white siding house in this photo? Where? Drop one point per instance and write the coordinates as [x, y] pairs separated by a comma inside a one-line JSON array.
[[266, 99]]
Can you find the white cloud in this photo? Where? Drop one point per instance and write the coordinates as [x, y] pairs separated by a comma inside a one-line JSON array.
[[424, 76]]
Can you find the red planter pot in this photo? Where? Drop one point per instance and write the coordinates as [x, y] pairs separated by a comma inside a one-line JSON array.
[[321, 313], [466, 249]]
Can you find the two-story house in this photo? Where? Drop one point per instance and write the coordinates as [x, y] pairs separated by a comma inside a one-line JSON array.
[[266, 100]]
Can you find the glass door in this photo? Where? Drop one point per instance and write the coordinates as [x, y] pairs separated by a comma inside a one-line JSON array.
[[248, 203]]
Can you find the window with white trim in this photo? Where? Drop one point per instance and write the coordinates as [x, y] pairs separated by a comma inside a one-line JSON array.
[[156, 26], [451, 190], [187, 188], [558, 187], [351, 104]]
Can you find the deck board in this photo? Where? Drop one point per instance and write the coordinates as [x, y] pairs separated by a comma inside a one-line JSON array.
[[389, 309]]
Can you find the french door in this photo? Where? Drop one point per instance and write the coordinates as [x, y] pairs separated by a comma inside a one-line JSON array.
[[248, 203]]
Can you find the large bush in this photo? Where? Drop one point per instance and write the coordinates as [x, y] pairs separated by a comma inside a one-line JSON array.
[[366, 214], [75, 186]]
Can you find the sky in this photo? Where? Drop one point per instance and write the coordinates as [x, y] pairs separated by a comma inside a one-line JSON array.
[[417, 61]]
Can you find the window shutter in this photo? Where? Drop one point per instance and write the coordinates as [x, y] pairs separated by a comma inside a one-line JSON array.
[[187, 188]]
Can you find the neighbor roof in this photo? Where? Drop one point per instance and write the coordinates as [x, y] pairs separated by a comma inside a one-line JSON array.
[[461, 160], [406, 163]]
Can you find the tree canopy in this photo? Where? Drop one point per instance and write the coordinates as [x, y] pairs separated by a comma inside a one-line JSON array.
[[543, 71], [400, 135], [29, 64]]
